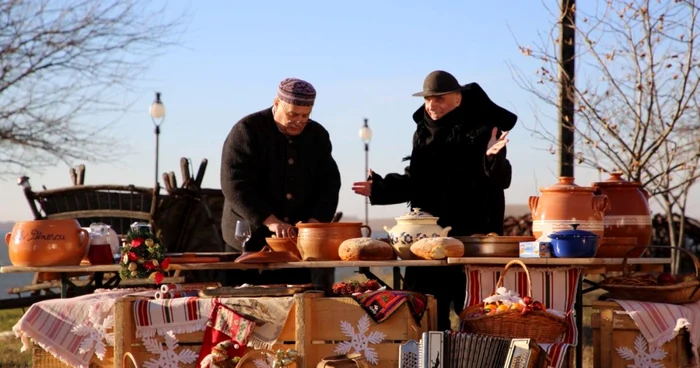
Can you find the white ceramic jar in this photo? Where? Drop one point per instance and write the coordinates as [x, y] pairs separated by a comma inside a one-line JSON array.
[[412, 227]]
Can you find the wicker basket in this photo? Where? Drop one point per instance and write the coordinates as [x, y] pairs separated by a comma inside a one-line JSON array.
[[681, 293], [540, 326]]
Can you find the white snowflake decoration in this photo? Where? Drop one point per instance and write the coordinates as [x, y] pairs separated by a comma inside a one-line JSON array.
[[168, 357], [360, 341], [94, 331], [642, 358]]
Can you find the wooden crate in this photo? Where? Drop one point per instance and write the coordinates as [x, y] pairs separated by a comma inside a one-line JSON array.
[[613, 328], [312, 328], [43, 359], [322, 332]]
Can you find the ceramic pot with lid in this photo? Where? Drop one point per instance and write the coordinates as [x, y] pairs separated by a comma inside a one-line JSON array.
[[574, 243], [411, 227], [628, 214], [42, 243], [320, 241], [564, 204]]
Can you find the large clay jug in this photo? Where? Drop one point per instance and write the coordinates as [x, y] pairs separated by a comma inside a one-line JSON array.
[[41, 243], [628, 214], [564, 204]]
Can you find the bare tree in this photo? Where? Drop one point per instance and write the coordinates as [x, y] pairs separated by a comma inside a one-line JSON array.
[[64, 62], [635, 94]]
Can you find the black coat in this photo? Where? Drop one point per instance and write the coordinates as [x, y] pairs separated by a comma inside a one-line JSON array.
[[449, 175], [265, 172]]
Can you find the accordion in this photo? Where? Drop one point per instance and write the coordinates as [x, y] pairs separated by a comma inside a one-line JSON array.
[[451, 349]]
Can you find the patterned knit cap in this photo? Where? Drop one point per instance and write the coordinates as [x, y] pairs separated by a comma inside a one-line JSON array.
[[296, 92]]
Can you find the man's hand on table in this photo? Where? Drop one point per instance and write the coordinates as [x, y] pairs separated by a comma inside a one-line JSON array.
[[277, 226]]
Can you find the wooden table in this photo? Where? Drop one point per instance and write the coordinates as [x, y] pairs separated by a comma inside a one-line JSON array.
[[584, 263], [99, 270]]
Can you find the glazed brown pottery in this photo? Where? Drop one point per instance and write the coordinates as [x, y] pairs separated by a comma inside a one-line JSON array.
[[320, 241], [42, 243], [628, 214], [617, 248], [564, 204], [283, 245], [492, 245]]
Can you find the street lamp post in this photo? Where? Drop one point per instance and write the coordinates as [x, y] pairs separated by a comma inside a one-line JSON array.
[[366, 136], [157, 112]]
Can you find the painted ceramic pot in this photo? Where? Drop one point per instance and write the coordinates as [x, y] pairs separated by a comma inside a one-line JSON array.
[[564, 204], [47, 243], [321, 241], [411, 227], [628, 214]]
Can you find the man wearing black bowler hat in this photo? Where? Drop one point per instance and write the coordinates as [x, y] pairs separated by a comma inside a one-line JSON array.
[[458, 171]]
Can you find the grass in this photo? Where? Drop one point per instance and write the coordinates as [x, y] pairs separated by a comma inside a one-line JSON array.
[[10, 356]]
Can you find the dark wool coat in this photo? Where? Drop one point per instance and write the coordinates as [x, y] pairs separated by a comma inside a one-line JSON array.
[[450, 177], [265, 172]]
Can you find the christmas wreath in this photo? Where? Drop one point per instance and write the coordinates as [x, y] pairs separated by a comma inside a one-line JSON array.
[[143, 255]]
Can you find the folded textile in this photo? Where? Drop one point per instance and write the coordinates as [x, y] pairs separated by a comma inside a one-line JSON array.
[[270, 316], [175, 294], [190, 314], [660, 323], [168, 287], [71, 329], [380, 305], [226, 334]]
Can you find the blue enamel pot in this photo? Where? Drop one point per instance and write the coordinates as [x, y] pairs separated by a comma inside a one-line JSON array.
[[574, 243]]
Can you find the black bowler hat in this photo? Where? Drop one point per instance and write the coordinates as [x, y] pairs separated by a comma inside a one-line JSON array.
[[439, 83]]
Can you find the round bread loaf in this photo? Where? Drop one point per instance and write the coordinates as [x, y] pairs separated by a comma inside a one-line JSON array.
[[438, 248], [365, 249]]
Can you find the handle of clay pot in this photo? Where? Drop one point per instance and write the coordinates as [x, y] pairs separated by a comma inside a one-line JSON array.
[[86, 236], [369, 231], [7, 238], [646, 193], [532, 203], [600, 203], [292, 234]]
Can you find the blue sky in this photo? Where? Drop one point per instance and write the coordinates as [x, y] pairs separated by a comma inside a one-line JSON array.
[[365, 60]]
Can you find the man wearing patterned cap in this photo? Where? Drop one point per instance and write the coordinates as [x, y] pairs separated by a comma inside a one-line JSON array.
[[277, 169]]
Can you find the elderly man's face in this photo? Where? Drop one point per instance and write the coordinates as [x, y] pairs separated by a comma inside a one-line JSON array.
[[291, 119], [439, 106]]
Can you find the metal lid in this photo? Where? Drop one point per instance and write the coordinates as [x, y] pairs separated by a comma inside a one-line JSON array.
[[574, 233]]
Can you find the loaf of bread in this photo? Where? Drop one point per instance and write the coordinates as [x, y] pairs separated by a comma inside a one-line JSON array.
[[365, 249], [437, 248]]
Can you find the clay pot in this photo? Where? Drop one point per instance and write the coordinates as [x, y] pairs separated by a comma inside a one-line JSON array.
[[320, 241], [628, 214], [283, 245], [47, 243], [564, 204]]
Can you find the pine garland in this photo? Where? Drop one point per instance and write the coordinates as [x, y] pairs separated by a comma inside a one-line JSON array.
[[143, 256]]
